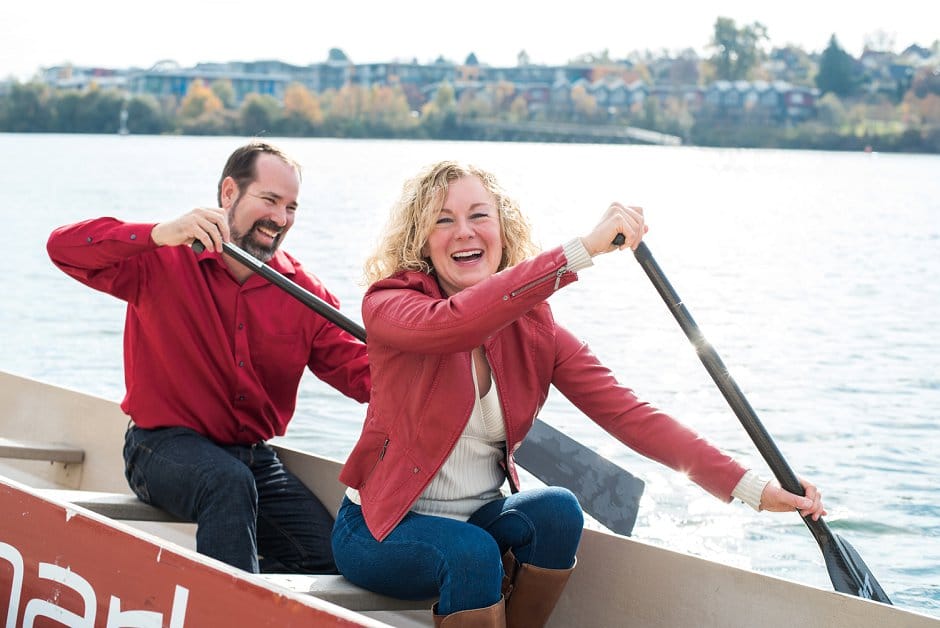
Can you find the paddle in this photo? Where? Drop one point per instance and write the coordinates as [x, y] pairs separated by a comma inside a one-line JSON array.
[[607, 492], [848, 572]]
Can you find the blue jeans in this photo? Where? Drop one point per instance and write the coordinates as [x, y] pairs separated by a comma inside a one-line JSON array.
[[461, 562], [250, 511]]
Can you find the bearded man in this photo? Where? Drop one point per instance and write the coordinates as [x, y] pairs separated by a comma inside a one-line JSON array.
[[213, 357]]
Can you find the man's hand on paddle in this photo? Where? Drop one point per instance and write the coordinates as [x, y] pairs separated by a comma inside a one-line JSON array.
[[209, 225]]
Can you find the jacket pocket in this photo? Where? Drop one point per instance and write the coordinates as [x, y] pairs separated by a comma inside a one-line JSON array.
[[394, 471]]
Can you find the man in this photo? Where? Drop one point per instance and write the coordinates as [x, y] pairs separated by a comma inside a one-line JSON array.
[[213, 357]]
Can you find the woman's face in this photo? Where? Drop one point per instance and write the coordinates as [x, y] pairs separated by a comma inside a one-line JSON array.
[[465, 245]]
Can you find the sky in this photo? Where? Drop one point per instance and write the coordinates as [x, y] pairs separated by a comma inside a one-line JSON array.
[[109, 33]]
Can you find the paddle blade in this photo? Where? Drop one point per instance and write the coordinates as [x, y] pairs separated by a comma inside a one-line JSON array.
[[606, 491], [849, 573]]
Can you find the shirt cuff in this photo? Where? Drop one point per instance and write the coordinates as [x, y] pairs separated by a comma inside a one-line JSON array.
[[577, 255], [749, 489]]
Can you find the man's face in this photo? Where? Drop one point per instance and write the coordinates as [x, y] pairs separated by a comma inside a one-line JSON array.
[[260, 217]]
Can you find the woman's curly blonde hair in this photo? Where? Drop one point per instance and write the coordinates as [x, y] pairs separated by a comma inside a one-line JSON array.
[[413, 218]]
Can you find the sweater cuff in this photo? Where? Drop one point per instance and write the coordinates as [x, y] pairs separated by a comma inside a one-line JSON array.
[[577, 255], [749, 489]]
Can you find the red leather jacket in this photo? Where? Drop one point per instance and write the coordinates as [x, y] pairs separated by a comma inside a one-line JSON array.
[[422, 391]]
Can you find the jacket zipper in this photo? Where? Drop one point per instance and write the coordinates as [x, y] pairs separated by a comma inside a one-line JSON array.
[[557, 274], [372, 470]]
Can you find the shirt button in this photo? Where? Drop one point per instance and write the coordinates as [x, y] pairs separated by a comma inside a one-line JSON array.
[[241, 325], [415, 470], [241, 397], [133, 236], [241, 363], [505, 297], [88, 239]]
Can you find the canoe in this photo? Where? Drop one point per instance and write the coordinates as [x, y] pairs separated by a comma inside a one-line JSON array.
[[78, 548]]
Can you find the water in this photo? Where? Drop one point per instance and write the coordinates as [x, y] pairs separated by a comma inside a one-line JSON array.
[[815, 275]]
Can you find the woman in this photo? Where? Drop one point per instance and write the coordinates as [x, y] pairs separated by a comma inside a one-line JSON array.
[[463, 347]]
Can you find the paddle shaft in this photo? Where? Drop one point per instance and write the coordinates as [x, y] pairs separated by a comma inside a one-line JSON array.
[[300, 293], [862, 582]]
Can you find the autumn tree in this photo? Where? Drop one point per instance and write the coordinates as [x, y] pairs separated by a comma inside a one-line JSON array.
[[474, 104], [344, 110], [737, 50], [584, 104], [303, 114], [519, 109], [199, 100], [388, 111], [503, 94]]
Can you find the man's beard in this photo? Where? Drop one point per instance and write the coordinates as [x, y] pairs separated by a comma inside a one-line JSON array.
[[247, 242]]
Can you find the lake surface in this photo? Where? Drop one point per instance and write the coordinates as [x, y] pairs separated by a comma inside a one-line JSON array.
[[815, 275]]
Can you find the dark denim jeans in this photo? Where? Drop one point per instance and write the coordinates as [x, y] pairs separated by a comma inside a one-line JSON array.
[[250, 511], [426, 557]]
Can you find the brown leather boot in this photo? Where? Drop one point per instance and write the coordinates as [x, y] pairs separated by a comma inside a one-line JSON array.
[[490, 617], [533, 595], [510, 566]]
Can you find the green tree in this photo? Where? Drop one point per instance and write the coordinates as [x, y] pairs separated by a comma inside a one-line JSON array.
[[831, 112], [337, 55], [259, 114], [439, 116], [145, 116], [737, 50], [224, 90], [28, 109], [99, 111], [67, 103], [836, 70]]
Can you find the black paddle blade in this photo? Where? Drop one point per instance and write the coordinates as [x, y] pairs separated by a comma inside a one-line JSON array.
[[606, 491], [849, 573]]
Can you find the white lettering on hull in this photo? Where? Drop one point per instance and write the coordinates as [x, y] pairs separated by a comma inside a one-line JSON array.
[[37, 607]]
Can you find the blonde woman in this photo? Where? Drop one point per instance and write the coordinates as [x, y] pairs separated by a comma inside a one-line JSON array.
[[463, 348]]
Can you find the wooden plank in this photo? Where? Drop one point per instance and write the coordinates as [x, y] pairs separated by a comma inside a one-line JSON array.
[[53, 452], [339, 590], [120, 506]]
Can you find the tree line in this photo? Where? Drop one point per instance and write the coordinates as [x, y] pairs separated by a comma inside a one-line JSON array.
[[849, 115]]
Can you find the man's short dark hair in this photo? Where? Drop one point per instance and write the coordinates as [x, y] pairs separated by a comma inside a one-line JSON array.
[[241, 165]]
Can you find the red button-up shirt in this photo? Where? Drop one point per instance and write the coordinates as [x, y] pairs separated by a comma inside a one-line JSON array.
[[200, 349]]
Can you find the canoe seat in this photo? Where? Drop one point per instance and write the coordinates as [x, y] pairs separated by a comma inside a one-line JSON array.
[[121, 506], [340, 591], [53, 452]]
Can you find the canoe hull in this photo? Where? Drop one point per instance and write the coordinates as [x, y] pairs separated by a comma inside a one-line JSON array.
[[78, 568], [619, 581]]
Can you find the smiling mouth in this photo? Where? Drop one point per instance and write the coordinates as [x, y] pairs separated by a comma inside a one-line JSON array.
[[467, 256], [267, 232]]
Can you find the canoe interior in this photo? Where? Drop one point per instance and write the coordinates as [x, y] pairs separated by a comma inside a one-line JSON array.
[[619, 581]]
